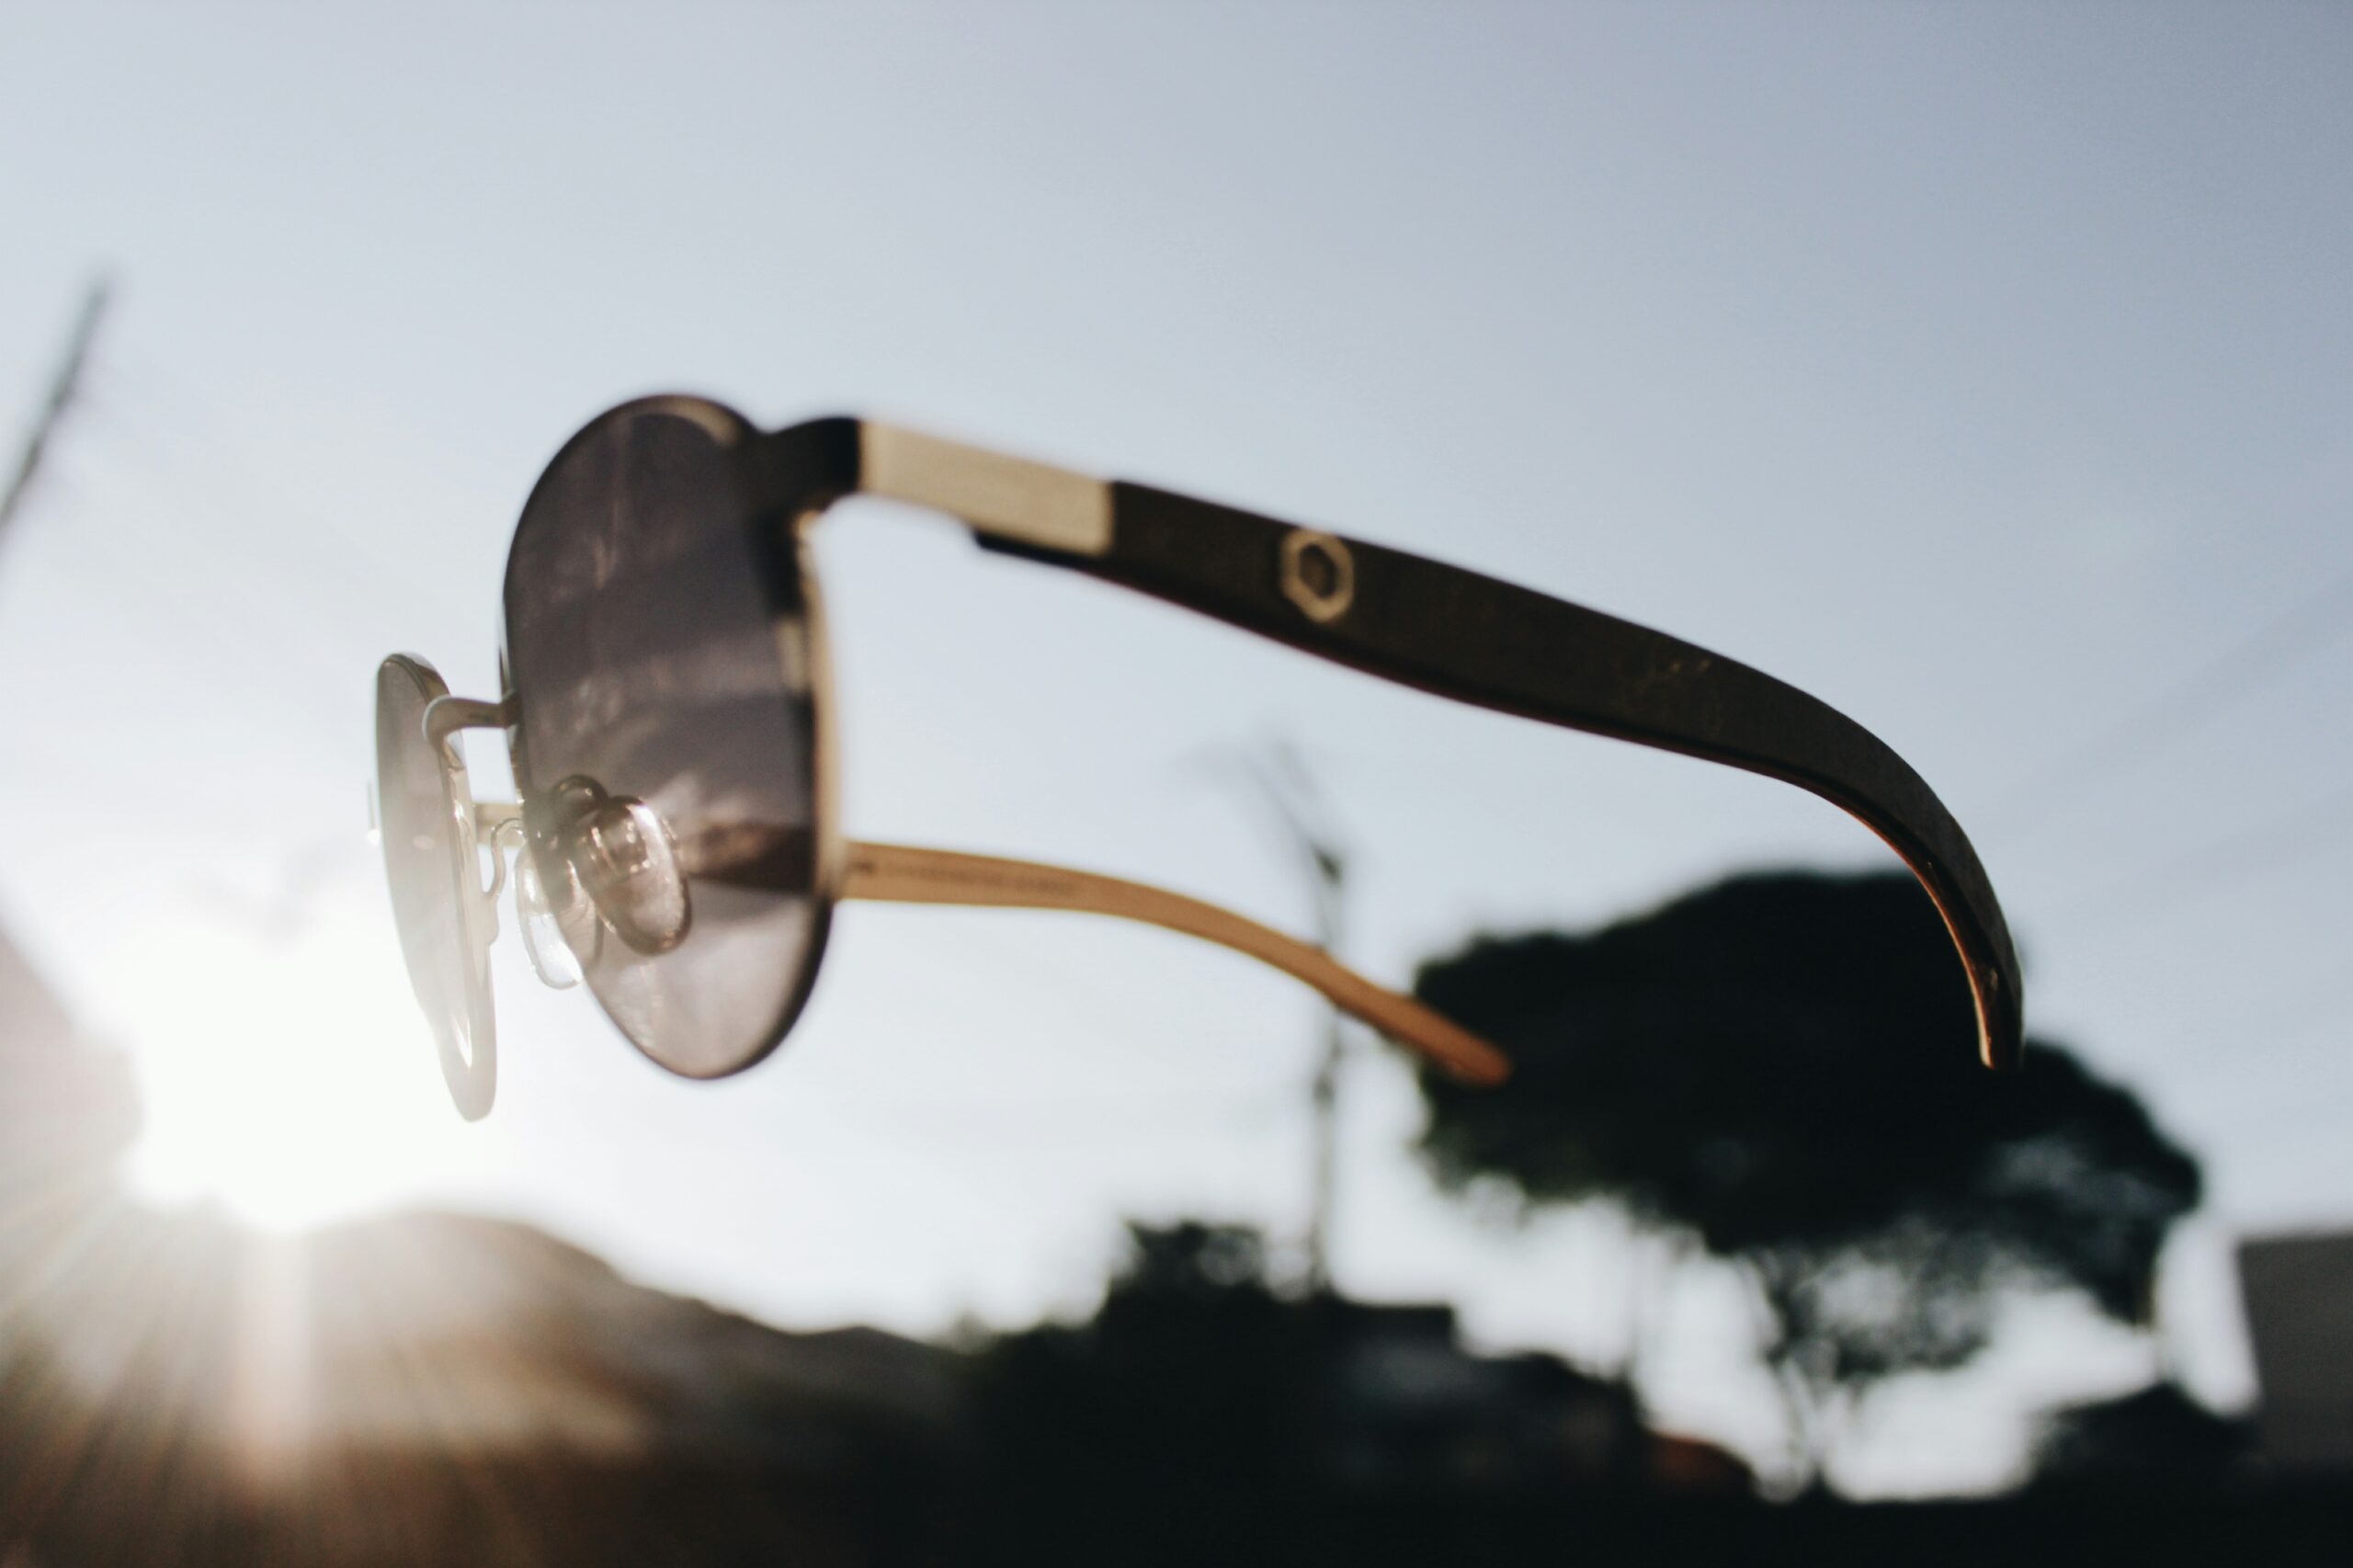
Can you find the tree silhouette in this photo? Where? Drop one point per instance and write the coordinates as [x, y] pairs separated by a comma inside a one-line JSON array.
[[1781, 1068]]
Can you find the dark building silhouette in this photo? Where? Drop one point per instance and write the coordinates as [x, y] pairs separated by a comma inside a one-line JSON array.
[[1408, 1404], [2298, 1296]]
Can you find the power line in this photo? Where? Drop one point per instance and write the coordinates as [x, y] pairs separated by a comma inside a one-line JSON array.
[[2230, 861], [2206, 691]]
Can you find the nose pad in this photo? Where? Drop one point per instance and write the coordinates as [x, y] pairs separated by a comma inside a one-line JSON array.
[[545, 924], [628, 865]]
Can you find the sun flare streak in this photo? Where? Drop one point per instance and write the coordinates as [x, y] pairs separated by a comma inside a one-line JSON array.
[[291, 1083]]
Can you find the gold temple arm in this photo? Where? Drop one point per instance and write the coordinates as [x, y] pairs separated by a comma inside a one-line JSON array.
[[892, 873]]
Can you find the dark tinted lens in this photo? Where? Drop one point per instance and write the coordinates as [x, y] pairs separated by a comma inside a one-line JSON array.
[[426, 822], [660, 649]]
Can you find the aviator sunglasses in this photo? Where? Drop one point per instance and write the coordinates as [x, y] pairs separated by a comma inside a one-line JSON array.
[[667, 711]]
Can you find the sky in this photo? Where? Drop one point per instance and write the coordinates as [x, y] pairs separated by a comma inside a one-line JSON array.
[[1986, 371]]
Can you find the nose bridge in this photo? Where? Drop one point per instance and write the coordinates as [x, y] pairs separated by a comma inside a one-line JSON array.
[[446, 715]]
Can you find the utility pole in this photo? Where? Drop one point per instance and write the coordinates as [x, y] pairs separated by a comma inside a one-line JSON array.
[[62, 388], [1305, 821]]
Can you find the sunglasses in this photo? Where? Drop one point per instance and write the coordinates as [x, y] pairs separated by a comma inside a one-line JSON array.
[[667, 704]]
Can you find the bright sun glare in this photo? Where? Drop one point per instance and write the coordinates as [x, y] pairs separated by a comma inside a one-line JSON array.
[[283, 1078]]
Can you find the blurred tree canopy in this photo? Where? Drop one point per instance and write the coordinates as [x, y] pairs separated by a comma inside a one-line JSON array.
[[1782, 1068]]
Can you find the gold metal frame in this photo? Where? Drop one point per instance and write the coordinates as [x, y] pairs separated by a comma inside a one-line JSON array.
[[891, 873], [1025, 504], [1405, 619]]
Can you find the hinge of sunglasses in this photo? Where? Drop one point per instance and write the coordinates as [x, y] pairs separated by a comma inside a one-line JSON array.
[[1005, 497]]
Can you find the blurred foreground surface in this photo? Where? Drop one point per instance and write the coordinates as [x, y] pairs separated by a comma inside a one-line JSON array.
[[175, 1388], [435, 1389]]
